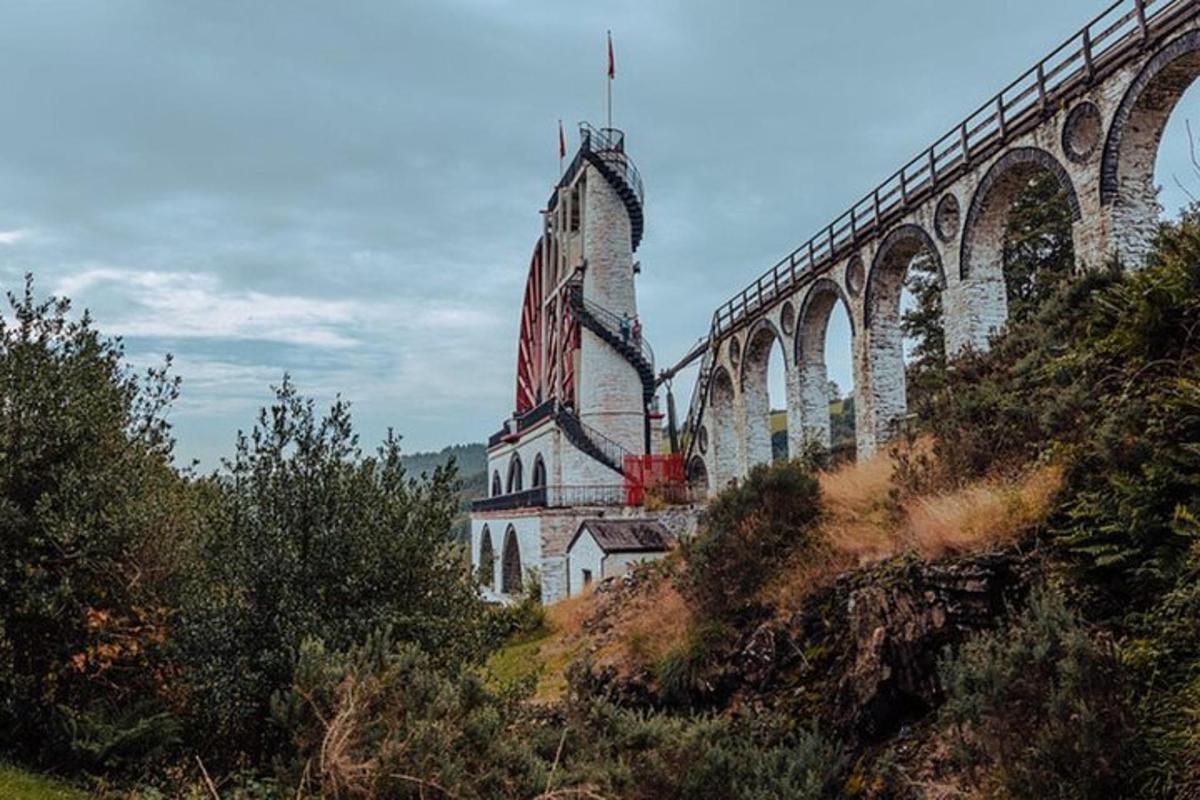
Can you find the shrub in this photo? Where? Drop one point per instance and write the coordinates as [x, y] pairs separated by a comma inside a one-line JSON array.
[[91, 518], [747, 531], [308, 538], [633, 754], [1038, 705], [682, 672], [385, 720]]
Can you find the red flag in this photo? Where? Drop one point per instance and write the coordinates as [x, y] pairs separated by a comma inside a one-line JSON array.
[[562, 142], [612, 63]]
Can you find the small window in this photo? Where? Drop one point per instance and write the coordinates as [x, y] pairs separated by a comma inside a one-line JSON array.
[[587, 578], [539, 472], [515, 478]]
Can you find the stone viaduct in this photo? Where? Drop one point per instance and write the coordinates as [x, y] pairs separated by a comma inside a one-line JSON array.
[[1091, 114]]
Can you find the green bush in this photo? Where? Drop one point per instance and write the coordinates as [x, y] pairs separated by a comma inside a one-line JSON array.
[[1038, 705], [639, 755], [748, 530], [308, 538], [385, 720], [92, 521]]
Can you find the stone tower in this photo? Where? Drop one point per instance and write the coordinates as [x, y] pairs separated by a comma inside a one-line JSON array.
[[585, 378], [611, 394]]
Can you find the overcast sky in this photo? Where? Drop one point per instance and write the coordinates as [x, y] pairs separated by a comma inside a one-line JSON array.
[[349, 191]]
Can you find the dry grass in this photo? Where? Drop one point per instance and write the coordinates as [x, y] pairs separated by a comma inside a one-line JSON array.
[[645, 628], [986, 514], [862, 526]]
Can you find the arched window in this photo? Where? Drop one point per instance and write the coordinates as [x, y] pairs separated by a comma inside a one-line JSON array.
[[539, 473], [510, 567], [497, 486], [515, 478], [487, 556]]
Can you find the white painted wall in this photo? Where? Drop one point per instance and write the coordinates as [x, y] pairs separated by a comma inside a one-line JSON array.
[[528, 530], [585, 554]]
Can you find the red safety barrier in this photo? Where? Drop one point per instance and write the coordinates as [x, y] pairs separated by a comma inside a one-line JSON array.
[[663, 473]]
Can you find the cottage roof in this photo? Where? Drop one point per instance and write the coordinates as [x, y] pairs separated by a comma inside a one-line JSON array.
[[626, 535]]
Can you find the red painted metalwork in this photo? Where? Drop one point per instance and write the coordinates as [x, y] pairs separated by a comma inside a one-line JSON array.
[[549, 339], [662, 474], [529, 345]]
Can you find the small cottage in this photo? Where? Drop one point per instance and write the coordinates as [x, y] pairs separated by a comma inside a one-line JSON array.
[[603, 548]]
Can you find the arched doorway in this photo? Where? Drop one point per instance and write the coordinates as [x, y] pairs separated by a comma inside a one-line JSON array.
[[515, 476], [487, 559], [538, 479], [510, 564]]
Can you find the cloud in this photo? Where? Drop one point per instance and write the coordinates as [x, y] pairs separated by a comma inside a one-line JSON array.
[[14, 236], [184, 305]]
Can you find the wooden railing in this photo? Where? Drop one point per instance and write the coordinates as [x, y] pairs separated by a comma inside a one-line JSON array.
[[1104, 44]]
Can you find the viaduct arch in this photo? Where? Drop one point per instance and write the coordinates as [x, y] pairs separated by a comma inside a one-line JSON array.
[[1091, 116]]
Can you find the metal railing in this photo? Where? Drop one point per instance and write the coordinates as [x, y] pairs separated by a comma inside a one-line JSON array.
[[530, 498], [609, 145], [522, 422], [599, 495], [554, 497], [611, 322], [609, 450], [1099, 46]]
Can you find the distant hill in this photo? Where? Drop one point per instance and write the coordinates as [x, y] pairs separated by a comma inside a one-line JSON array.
[[471, 460], [469, 457]]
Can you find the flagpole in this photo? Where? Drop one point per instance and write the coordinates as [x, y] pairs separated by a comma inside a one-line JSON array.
[[610, 79]]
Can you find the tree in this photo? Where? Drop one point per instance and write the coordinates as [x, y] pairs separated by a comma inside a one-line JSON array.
[[90, 512], [308, 539], [922, 325], [1038, 251]]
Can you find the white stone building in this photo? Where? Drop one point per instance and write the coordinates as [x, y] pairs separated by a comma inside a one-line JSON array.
[[585, 391], [608, 548]]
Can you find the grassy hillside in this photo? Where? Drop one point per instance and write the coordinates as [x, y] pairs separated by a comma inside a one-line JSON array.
[[16, 784]]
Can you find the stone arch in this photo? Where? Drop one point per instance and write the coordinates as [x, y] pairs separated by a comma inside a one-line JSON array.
[[487, 559], [812, 373], [761, 341], [882, 397], [537, 479], [983, 233], [697, 473], [723, 440], [984, 295], [510, 563], [1131, 146], [516, 477], [497, 484]]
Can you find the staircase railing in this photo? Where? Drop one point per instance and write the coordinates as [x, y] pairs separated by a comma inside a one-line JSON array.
[[607, 451], [611, 322], [609, 145]]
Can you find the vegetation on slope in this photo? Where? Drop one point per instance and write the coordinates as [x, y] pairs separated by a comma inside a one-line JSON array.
[[1005, 604]]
